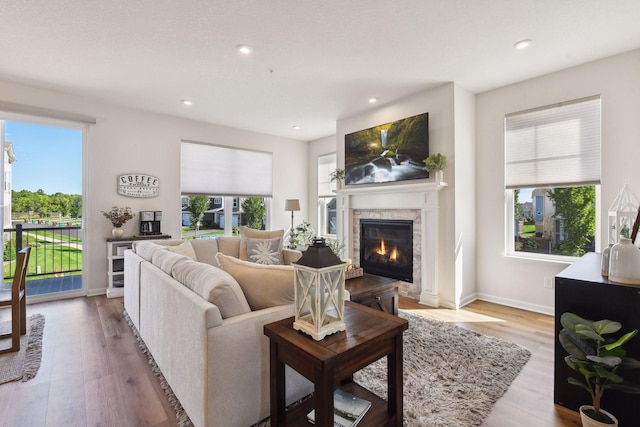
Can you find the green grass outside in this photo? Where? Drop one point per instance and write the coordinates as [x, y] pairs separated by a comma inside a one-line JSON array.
[[528, 230], [51, 256]]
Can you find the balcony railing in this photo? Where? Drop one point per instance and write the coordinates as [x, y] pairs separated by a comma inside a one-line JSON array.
[[56, 251]]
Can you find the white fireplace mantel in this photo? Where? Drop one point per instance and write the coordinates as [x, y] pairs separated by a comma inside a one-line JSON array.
[[421, 196]]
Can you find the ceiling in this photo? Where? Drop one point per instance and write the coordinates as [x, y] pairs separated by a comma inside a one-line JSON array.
[[314, 62]]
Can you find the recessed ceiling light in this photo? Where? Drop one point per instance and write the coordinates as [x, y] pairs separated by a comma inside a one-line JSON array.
[[296, 127], [372, 100], [187, 102], [244, 49], [522, 44]]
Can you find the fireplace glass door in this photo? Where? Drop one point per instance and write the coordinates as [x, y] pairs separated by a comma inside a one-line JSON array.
[[386, 248]]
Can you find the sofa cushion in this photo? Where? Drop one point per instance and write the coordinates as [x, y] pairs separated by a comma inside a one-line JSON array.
[[229, 245], [145, 249], [264, 251], [205, 250], [250, 233], [165, 260], [263, 285], [214, 285], [185, 249]]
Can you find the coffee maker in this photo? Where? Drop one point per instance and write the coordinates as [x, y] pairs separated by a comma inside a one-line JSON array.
[[150, 223]]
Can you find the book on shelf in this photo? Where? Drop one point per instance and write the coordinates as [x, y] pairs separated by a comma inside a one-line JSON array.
[[348, 409]]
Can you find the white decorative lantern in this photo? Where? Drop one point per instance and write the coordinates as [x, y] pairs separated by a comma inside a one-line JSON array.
[[622, 214], [319, 291]]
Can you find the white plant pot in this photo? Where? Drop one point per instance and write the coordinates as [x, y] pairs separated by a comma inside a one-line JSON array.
[[117, 232], [590, 422]]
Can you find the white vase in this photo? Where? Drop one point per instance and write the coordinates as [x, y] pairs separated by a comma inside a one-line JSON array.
[[439, 176], [624, 262], [590, 422], [117, 232]]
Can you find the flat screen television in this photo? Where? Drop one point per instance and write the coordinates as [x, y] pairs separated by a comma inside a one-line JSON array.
[[387, 153]]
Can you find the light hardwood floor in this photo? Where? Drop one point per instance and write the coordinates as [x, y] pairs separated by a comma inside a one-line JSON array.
[[93, 373]]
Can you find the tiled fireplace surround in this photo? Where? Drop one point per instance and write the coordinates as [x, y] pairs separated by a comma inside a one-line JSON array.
[[417, 202]]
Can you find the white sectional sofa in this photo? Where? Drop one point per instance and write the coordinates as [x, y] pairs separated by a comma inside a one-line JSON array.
[[201, 330]]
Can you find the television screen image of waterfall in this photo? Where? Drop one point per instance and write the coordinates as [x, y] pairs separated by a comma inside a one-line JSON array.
[[391, 152]]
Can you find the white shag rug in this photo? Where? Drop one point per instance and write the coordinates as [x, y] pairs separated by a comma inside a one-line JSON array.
[[452, 375]]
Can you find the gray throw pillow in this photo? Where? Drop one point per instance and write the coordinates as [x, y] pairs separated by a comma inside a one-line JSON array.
[[264, 251]]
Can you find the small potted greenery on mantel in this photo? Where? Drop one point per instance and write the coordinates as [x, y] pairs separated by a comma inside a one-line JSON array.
[[436, 162], [599, 359], [338, 176]]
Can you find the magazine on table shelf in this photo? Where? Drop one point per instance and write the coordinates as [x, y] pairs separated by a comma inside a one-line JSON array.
[[348, 409]]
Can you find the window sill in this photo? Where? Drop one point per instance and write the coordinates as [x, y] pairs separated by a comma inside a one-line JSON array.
[[556, 259]]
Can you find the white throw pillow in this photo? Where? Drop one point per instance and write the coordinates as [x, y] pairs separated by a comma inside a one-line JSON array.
[[263, 285], [264, 251]]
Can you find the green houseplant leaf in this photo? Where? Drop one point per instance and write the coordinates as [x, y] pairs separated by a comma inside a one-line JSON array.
[[598, 358]]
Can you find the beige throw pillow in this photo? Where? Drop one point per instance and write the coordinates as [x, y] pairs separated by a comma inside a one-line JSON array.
[[263, 285], [184, 249], [250, 233]]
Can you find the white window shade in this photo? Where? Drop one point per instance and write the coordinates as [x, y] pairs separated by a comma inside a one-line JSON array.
[[225, 171], [555, 146]]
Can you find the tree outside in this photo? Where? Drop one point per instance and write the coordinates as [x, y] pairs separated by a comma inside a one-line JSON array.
[[197, 205], [255, 212], [575, 206]]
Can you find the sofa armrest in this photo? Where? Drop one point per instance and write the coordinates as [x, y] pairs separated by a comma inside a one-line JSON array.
[[289, 256]]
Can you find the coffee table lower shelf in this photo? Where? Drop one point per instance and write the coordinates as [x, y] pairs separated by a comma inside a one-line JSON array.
[[376, 416]]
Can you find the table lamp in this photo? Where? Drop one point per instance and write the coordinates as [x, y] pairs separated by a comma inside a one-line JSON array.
[[292, 205]]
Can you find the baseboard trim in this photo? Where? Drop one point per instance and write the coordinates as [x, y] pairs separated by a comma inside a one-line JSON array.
[[516, 304]]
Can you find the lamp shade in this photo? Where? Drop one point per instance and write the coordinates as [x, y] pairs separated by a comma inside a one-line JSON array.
[[292, 205], [319, 291]]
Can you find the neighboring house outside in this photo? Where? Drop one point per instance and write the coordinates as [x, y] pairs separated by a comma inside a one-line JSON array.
[[543, 212], [527, 209], [9, 159], [548, 224], [215, 213]]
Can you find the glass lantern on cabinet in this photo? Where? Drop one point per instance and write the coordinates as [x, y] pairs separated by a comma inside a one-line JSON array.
[[319, 291], [622, 214]]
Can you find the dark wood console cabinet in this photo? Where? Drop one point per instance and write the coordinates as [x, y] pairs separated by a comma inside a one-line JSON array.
[[581, 289]]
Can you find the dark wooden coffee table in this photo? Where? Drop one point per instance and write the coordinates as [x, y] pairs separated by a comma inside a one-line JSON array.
[[330, 363], [373, 291]]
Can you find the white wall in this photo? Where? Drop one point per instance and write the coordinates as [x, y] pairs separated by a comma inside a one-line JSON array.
[[465, 197], [127, 141], [519, 282]]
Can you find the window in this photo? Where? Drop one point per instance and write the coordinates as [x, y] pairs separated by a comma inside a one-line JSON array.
[[218, 175], [552, 177], [327, 215]]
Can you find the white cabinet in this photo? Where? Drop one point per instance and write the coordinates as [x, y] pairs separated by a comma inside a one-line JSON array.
[[115, 257]]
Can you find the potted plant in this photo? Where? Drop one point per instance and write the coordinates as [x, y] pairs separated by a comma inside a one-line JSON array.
[[304, 234], [118, 217], [599, 359], [338, 176], [436, 162]]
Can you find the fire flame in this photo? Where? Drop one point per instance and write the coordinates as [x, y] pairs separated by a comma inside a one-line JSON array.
[[382, 250]]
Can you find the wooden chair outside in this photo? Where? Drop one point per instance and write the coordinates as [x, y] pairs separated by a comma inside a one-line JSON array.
[[16, 299]]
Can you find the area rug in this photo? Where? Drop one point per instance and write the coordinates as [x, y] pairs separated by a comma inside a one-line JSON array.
[[25, 363], [452, 376]]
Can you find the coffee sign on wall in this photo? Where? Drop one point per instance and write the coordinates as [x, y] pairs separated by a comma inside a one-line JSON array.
[[138, 185]]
